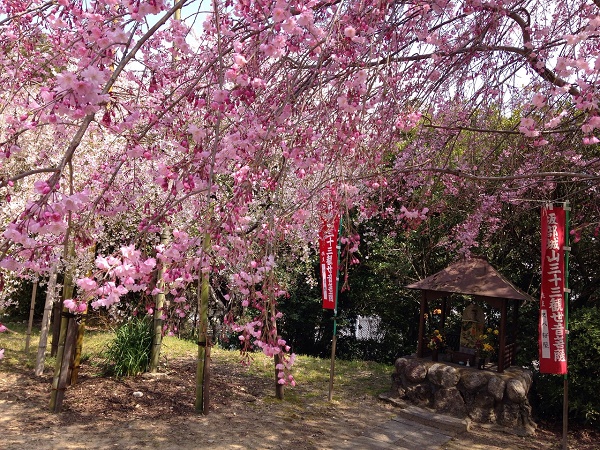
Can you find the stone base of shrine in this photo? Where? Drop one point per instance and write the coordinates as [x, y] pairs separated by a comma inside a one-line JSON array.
[[483, 396]]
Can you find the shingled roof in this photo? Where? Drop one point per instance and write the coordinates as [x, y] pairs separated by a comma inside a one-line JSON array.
[[473, 276]]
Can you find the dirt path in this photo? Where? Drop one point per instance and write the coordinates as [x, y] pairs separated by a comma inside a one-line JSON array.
[[104, 413]]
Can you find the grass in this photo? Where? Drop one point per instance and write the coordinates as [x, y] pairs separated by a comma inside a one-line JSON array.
[[352, 378]]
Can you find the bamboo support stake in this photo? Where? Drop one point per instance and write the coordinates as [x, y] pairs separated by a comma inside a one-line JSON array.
[[159, 301], [31, 310], [50, 293], [56, 321]]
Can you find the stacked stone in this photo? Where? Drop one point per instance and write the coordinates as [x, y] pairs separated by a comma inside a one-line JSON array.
[[481, 395]]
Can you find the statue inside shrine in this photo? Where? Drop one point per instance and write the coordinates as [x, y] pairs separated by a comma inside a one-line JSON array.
[[473, 321]]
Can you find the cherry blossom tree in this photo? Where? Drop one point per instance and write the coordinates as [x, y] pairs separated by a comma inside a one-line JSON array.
[[241, 120]]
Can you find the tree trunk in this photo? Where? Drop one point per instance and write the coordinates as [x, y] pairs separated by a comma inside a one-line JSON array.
[[50, 292], [78, 344], [65, 348], [159, 301], [31, 310], [202, 369], [279, 390], [64, 356], [81, 331]]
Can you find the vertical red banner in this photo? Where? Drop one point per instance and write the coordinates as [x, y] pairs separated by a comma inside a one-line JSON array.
[[328, 255], [552, 335]]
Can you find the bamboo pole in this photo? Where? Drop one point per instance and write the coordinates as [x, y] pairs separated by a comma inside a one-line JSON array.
[[206, 389], [56, 323], [50, 292], [159, 302], [31, 310]]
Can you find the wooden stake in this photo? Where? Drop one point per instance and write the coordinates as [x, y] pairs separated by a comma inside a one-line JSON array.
[[50, 292], [159, 301], [31, 310]]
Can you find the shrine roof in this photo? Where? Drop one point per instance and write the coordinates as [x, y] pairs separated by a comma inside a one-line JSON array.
[[473, 276]]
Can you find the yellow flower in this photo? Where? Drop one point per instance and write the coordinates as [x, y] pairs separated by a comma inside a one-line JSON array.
[[489, 330], [496, 332]]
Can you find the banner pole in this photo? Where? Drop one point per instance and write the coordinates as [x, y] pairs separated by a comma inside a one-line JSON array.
[[332, 367], [334, 339], [566, 375]]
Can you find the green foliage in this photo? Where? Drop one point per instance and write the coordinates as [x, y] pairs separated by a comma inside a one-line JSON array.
[[389, 260], [584, 374], [19, 309], [305, 326], [129, 352]]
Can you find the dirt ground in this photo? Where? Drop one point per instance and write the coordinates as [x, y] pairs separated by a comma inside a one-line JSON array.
[[104, 413]]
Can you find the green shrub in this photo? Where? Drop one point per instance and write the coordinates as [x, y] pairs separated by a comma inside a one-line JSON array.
[[129, 353], [584, 374]]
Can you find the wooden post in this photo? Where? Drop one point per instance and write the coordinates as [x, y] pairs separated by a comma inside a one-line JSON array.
[[56, 323], [502, 337], [31, 310], [515, 322], [443, 318], [206, 390], [50, 292], [159, 301], [421, 324]]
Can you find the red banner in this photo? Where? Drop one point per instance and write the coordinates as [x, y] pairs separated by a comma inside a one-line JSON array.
[[552, 338], [328, 237]]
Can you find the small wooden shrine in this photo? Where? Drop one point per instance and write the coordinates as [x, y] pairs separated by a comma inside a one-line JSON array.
[[477, 278]]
